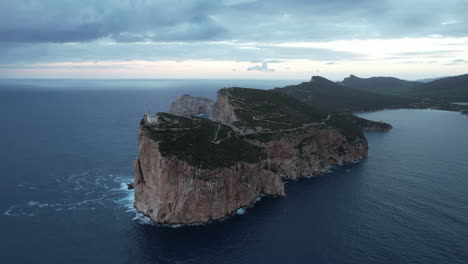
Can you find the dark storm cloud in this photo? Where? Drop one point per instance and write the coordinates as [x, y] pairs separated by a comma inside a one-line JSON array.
[[247, 20], [127, 20]]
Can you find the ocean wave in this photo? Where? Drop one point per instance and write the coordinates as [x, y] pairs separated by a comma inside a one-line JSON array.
[[81, 190], [145, 220], [96, 189]]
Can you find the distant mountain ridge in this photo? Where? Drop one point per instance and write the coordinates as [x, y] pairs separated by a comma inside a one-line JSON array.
[[447, 89], [336, 97], [383, 85], [441, 89]]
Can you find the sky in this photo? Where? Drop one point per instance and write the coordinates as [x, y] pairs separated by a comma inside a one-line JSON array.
[[233, 39]]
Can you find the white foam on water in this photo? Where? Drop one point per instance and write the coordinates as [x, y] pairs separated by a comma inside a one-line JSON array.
[[15, 211], [32, 203], [90, 190], [240, 211], [143, 219], [100, 188]]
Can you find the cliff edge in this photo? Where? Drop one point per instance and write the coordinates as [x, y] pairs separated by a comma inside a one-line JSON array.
[[195, 170]]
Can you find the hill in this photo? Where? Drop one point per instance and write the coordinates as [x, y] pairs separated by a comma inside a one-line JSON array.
[[381, 85], [334, 97], [447, 89]]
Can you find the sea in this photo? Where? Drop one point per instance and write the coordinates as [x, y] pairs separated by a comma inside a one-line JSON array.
[[66, 153]]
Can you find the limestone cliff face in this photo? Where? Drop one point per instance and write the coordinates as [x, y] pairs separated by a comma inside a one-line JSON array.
[[223, 111], [293, 153], [312, 152], [188, 105], [169, 189]]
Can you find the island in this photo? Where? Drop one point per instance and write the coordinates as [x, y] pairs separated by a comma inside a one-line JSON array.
[[206, 160]]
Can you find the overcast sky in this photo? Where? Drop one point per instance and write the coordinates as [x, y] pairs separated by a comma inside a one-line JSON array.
[[274, 39]]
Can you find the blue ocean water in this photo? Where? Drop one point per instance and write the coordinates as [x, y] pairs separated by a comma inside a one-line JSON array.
[[67, 148]]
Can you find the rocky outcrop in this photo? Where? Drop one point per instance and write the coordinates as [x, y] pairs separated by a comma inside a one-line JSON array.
[[188, 105], [193, 185], [311, 152], [223, 111], [304, 150], [192, 169]]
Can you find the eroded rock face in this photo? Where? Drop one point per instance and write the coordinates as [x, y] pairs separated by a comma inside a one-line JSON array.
[[295, 153], [223, 111], [188, 105], [174, 189], [311, 152]]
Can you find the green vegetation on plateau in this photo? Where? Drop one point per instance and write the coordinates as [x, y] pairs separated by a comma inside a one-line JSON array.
[[200, 142], [283, 114], [270, 110], [344, 123]]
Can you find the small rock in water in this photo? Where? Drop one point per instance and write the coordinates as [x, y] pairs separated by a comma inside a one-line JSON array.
[[130, 186]]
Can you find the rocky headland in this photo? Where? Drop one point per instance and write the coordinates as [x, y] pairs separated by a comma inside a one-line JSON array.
[[188, 105], [192, 169]]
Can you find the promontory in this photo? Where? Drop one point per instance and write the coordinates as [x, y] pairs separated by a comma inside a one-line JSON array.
[[205, 165]]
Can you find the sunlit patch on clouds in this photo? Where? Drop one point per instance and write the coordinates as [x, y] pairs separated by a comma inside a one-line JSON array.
[[450, 22]]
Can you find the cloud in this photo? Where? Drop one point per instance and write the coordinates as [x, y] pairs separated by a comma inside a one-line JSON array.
[[259, 33], [60, 21], [274, 61], [109, 50], [420, 62], [261, 68], [451, 22], [431, 53]]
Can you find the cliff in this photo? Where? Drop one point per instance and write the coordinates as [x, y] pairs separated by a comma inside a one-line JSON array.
[[192, 169], [299, 140], [188, 105], [195, 170]]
